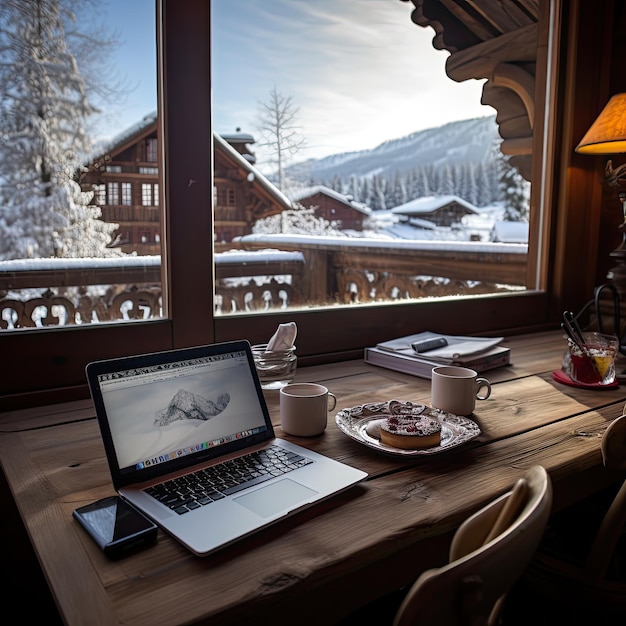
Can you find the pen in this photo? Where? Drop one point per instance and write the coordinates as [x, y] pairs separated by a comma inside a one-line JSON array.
[[429, 344]]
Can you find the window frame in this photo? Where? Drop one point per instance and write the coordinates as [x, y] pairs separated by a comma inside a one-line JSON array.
[[48, 365]]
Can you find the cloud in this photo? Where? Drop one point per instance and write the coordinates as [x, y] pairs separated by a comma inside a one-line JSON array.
[[359, 71]]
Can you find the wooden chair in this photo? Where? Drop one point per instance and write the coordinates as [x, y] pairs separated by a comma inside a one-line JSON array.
[[488, 554], [580, 566]]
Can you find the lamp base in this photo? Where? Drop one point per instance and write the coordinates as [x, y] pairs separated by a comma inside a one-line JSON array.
[[617, 274]]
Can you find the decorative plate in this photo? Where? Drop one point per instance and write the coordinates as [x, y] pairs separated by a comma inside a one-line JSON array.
[[360, 422]]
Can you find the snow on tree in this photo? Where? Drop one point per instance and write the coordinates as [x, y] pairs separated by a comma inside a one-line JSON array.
[[514, 191], [300, 221], [44, 109]]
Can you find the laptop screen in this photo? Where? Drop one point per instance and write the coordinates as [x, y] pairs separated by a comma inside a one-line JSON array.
[[158, 412]]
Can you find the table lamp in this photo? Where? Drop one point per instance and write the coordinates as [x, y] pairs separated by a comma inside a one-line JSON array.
[[607, 135]]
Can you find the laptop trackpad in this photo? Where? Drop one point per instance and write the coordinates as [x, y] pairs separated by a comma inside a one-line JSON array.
[[276, 497]]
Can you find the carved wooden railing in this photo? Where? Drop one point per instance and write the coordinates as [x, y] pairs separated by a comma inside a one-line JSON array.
[[261, 272]]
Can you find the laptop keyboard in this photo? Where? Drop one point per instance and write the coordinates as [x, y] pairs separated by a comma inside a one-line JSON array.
[[204, 486]]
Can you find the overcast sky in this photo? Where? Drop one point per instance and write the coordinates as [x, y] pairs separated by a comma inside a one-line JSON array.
[[359, 71]]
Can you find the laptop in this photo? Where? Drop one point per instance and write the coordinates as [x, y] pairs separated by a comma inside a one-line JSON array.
[[189, 442]]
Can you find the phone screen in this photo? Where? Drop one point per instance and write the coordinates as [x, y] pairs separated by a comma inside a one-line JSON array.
[[112, 520]]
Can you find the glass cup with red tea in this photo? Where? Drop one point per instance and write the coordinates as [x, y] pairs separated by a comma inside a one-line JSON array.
[[591, 362]]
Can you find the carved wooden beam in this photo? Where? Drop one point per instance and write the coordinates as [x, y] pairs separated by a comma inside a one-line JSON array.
[[493, 40]]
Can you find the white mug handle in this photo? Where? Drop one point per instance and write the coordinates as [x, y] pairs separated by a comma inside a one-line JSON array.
[[332, 395], [483, 383]]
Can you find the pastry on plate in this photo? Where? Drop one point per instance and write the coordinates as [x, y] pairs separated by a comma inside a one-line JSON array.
[[410, 432]]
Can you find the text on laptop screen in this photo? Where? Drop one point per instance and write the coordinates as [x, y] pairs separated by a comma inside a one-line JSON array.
[[162, 412]]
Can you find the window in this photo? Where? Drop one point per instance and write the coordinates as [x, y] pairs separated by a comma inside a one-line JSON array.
[[153, 171], [127, 196], [225, 196], [151, 150], [149, 194], [416, 191], [189, 188], [113, 193], [99, 195]]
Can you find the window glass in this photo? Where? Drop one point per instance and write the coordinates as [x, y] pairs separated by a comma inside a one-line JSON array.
[[113, 190], [96, 130], [151, 150], [146, 194], [127, 194], [99, 194], [373, 147]]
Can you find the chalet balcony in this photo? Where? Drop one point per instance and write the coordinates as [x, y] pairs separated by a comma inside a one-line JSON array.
[[130, 213], [260, 273]]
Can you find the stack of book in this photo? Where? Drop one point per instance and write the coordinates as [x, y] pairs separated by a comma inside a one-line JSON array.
[[416, 355]]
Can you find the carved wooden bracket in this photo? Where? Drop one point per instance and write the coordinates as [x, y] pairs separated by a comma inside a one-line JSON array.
[[495, 41]]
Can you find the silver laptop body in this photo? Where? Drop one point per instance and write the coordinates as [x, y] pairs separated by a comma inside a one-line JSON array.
[[166, 415]]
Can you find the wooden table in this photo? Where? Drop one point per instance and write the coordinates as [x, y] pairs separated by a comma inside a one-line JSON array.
[[327, 560]]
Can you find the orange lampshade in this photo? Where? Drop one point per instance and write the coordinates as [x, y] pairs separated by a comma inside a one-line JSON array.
[[607, 134]]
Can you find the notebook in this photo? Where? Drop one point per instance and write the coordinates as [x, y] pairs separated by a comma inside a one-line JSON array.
[[168, 417]]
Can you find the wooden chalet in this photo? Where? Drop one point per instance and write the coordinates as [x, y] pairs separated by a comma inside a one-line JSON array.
[[125, 182], [440, 210], [124, 179], [333, 206]]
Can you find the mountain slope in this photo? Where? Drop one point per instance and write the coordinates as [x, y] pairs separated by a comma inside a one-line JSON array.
[[467, 141]]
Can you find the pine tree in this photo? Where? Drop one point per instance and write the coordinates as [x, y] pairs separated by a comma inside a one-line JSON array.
[[514, 192], [43, 113]]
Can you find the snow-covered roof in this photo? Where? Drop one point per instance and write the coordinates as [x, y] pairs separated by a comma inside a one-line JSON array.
[[146, 122], [253, 172], [510, 232], [238, 137], [308, 192], [428, 204]]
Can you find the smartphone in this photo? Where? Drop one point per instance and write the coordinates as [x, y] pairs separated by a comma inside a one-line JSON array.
[[116, 526]]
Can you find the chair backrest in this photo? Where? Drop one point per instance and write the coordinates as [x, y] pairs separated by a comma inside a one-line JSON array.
[[483, 568], [612, 525]]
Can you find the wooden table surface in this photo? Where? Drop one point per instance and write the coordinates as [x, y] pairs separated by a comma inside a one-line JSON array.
[[336, 556]]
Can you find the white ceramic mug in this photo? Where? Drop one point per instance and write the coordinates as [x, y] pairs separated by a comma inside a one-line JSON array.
[[304, 408], [456, 389]]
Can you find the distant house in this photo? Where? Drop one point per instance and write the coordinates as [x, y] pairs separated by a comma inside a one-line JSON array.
[[438, 210], [510, 232], [333, 206], [125, 180]]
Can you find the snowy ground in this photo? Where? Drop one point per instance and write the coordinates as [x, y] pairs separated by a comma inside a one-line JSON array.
[[384, 224]]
